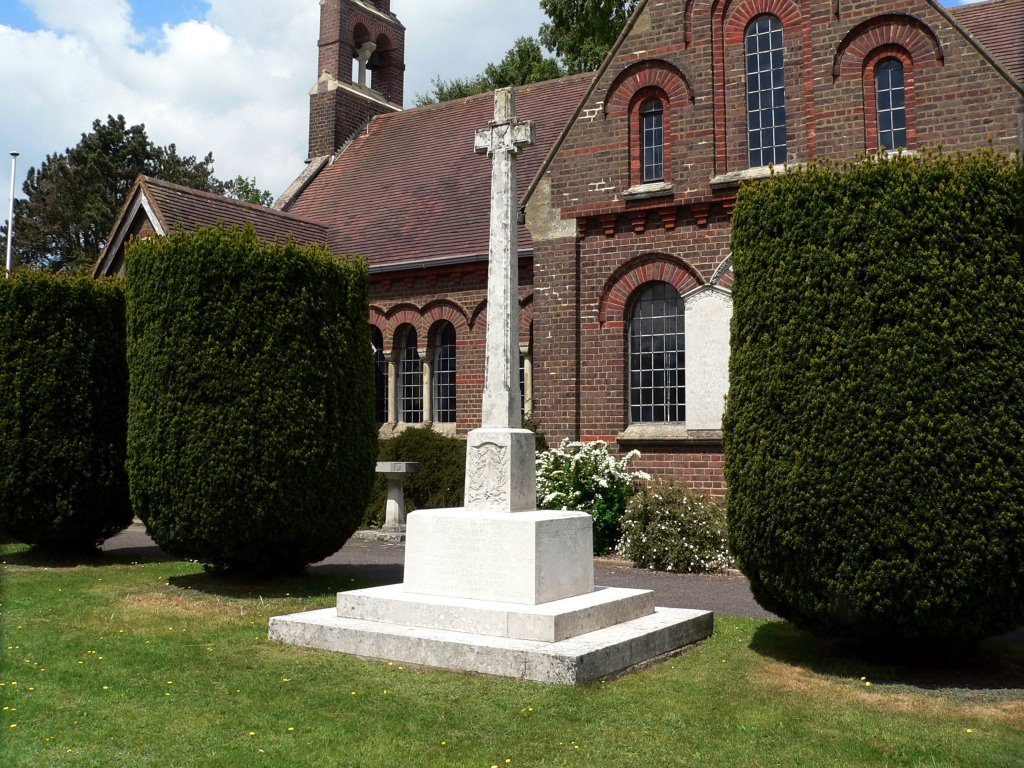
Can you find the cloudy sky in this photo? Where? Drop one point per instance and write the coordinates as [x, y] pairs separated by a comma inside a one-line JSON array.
[[227, 76]]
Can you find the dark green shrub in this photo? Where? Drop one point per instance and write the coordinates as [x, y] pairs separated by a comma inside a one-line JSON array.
[[668, 528], [63, 411], [251, 440], [585, 477], [438, 484], [876, 405]]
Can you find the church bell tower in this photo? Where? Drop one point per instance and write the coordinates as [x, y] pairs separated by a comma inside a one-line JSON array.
[[361, 71]]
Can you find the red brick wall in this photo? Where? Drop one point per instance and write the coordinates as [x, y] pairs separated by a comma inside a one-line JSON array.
[[959, 102], [456, 294]]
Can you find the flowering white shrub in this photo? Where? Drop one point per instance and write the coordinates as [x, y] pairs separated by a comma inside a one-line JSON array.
[[586, 478], [667, 528]]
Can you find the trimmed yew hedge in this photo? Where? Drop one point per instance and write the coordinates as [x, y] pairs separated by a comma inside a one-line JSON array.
[[876, 408], [63, 411], [251, 439]]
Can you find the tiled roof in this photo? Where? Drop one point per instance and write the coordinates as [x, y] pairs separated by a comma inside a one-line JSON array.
[[999, 26], [411, 188], [184, 208]]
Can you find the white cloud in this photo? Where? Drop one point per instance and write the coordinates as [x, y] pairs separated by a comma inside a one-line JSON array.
[[233, 80]]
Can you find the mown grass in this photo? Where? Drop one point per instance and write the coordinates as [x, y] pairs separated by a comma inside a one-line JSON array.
[[114, 663]]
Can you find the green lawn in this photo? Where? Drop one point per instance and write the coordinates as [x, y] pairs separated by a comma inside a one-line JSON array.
[[114, 663]]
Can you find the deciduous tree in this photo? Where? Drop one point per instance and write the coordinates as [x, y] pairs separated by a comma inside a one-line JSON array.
[[73, 198]]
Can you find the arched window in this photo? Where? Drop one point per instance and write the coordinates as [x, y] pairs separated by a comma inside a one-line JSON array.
[[411, 380], [444, 375], [766, 92], [380, 370], [657, 365], [891, 104], [652, 138]]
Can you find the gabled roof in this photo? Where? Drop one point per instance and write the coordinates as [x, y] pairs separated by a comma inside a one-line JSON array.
[[999, 26], [410, 189], [168, 207]]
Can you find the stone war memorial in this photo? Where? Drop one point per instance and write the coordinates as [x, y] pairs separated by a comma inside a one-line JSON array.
[[497, 586]]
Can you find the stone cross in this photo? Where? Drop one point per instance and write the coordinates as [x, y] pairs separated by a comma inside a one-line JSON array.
[[501, 141]]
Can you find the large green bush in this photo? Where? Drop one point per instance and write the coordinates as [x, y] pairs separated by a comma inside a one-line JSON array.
[[439, 482], [63, 411], [876, 404], [251, 440]]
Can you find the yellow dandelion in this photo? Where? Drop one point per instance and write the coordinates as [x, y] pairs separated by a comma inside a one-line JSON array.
[[106, 687], [252, 733], [444, 743], [867, 684], [290, 728], [970, 730], [14, 725]]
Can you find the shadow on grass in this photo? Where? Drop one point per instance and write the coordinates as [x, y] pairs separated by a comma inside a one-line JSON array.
[[36, 558], [308, 584], [994, 665]]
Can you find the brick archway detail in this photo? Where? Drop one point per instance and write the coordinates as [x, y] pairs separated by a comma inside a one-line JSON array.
[[891, 30], [736, 15], [442, 310], [404, 314], [478, 321], [647, 74], [624, 282]]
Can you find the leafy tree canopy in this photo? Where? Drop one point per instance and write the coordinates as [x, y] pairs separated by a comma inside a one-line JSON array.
[[73, 198], [524, 63], [582, 32], [245, 189]]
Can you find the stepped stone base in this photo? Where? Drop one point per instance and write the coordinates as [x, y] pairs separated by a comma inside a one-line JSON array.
[[548, 622], [591, 656]]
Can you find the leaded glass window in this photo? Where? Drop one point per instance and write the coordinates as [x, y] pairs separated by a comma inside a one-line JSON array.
[[652, 131], [444, 375], [411, 380], [657, 384], [892, 110], [766, 92], [380, 370]]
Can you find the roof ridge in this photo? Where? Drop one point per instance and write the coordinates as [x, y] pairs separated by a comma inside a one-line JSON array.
[[220, 198]]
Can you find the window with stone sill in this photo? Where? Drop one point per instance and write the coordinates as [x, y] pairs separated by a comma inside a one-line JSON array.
[[890, 104], [657, 356], [444, 390], [766, 91], [652, 141], [411, 380]]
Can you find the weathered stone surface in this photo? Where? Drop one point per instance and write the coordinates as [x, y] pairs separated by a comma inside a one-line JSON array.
[[501, 470], [548, 622], [592, 656], [526, 558]]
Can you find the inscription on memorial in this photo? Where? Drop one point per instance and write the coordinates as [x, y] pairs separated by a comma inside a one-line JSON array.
[[487, 475]]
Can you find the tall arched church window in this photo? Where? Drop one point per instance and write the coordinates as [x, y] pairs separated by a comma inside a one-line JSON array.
[[652, 137], [411, 380], [891, 104], [766, 91], [380, 373], [657, 360], [444, 375]]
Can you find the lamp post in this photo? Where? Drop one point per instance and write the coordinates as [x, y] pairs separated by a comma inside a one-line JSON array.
[[10, 215]]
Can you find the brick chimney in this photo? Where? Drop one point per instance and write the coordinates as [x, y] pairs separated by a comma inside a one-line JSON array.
[[364, 37]]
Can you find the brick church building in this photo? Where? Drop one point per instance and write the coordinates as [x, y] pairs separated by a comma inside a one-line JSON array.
[[626, 196]]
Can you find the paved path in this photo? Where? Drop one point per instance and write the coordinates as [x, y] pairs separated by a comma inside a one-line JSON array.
[[382, 562]]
